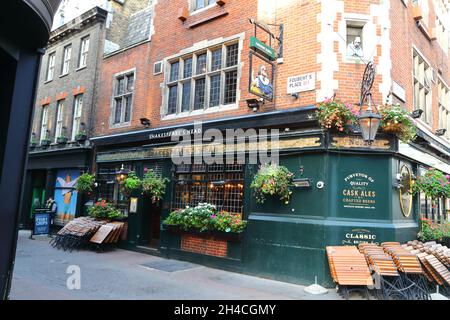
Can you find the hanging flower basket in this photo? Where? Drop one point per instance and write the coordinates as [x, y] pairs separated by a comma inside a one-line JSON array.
[[392, 128], [272, 180], [396, 120], [333, 114]]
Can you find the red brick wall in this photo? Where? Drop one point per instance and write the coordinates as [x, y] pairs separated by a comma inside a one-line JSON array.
[[135, 58], [301, 47], [210, 247], [404, 35]]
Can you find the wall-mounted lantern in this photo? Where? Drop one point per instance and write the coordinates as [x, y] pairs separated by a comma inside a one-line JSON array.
[[122, 174], [369, 119]]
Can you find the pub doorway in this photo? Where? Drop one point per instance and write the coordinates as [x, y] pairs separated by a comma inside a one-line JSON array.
[[152, 211]]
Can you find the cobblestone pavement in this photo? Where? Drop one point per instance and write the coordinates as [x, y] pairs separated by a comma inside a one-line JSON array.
[[41, 273]]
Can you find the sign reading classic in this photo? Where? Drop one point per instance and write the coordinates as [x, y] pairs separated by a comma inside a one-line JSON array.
[[358, 192]]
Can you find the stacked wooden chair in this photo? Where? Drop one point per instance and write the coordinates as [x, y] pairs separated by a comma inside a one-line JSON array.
[[349, 270], [388, 283], [86, 231], [76, 234], [413, 277], [107, 235], [435, 261]]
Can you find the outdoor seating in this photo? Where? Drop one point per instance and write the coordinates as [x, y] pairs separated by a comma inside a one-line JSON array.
[[349, 269]]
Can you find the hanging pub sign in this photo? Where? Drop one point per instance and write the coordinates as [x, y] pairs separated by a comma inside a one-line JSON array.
[[261, 77], [263, 49]]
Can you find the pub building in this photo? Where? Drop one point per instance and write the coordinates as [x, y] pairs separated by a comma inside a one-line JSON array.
[[347, 192]]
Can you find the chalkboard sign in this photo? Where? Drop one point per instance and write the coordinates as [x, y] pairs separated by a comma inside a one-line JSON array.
[[41, 223]]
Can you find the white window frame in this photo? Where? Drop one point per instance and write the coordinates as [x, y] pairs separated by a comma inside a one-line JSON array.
[[51, 67], [44, 122], [193, 52], [444, 107], [84, 52], [77, 112], [194, 9], [115, 96], [368, 38], [67, 56], [423, 99], [59, 119]]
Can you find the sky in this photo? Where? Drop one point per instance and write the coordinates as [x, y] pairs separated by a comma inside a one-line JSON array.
[[74, 8]]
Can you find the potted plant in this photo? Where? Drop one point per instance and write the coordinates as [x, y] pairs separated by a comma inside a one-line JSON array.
[[131, 184], [396, 120], [273, 180], [33, 141], [81, 137], [431, 231], [105, 211], [61, 140], [154, 186], [334, 114], [434, 185], [85, 183], [45, 142]]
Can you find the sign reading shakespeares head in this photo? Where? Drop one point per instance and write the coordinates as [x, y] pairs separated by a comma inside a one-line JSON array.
[[358, 192]]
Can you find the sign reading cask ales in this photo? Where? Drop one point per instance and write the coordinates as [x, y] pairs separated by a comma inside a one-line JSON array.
[[359, 192]]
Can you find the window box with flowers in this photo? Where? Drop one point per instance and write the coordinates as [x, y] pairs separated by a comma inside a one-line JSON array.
[[205, 221], [333, 114], [45, 143], [104, 210], [61, 140], [396, 120]]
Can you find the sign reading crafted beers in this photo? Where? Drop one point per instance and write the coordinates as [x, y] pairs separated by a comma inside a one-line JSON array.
[[359, 192]]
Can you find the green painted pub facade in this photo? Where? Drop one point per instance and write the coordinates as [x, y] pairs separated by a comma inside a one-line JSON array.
[[354, 192]]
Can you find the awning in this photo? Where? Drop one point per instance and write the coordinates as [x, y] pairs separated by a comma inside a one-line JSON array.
[[422, 157]]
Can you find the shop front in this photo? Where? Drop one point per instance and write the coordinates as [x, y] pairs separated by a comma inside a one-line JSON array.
[[54, 174], [346, 192]]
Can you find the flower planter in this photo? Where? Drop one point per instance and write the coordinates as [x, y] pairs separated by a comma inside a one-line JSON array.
[[45, 143], [61, 140], [33, 145], [80, 138], [392, 128], [209, 234]]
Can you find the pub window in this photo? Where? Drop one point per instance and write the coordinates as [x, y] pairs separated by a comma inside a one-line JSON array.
[[77, 111], [66, 60], [123, 99], [203, 80], [109, 188], [422, 87], [51, 67], [444, 108], [44, 123], [219, 184], [84, 50], [59, 119]]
